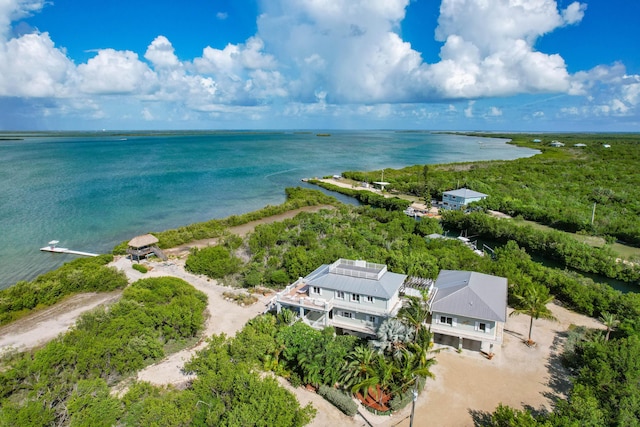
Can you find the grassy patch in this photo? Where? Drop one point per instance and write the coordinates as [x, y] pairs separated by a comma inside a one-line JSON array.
[[139, 267], [240, 298]]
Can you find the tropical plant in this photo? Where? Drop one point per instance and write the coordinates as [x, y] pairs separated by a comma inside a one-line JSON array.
[[381, 379], [286, 317], [610, 321], [422, 348], [414, 311], [533, 301], [358, 366], [393, 336], [411, 366]]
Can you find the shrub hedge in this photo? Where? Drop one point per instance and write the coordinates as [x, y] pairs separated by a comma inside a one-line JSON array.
[[139, 267], [339, 399]]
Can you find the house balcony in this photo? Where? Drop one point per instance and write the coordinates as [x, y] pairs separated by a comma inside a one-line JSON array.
[[368, 328], [319, 304]]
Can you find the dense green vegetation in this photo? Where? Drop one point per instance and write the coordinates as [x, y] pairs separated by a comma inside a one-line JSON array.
[[552, 244], [213, 261], [80, 275], [558, 188], [384, 368], [67, 381], [232, 393]]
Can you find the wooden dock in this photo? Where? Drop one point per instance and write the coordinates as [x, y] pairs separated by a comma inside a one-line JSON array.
[[53, 248]]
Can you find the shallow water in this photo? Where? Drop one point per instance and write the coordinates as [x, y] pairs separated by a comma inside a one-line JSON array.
[[91, 192]]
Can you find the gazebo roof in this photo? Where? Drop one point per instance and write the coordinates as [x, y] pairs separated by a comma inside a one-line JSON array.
[[144, 240]]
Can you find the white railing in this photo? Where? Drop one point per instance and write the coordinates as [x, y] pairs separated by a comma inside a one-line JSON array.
[[376, 270], [305, 301], [361, 307], [366, 327]]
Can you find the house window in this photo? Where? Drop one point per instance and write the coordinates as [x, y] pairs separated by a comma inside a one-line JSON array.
[[482, 327], [347, 314], [369, 299], [446, 320], [316, 290], [355, 297], [340, 294], [372, 319]]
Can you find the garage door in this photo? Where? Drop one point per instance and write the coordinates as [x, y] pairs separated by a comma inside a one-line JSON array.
[[472, 345]]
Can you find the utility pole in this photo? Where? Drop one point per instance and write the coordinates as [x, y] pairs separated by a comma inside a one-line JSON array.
[[593, 213], [413, 404]]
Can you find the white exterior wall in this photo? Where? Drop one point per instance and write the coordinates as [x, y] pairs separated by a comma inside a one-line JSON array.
[[456, 203], [362, 316], [464, 324]]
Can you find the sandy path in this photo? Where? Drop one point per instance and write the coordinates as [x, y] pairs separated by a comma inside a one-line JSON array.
[[327, 414], [44, 325], [223, 317], [468, 385], [242, 230]]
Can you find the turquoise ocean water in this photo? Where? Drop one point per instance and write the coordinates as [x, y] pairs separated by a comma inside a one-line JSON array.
[[91, 192]]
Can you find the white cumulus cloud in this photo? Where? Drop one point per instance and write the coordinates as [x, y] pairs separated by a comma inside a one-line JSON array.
[[326, 57], [31, 66], [161, 53], [489, 48], [115, 72], [574, 13]]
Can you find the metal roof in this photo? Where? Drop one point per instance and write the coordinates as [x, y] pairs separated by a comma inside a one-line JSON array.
[[471, 294], [386, 286], [465, 193], [144, 240]]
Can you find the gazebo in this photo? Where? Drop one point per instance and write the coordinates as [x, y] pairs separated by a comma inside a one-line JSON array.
[[143, 246]]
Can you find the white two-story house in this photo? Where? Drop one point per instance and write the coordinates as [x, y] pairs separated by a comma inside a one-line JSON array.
[[353, 296], [457, 199], [468, 310]]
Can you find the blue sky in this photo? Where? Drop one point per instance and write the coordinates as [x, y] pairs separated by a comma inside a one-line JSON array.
[[515, 65]]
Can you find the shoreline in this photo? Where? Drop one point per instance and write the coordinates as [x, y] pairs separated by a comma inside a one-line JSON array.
[[211, 178], [466, 384]]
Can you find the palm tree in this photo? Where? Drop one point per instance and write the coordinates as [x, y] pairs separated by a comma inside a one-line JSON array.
[[311, 366], [393, 335], [286, 317], [382, 375], [609, 320], [533, 302], [414, 311], [422, 348], [358, 366], [414, 363]]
